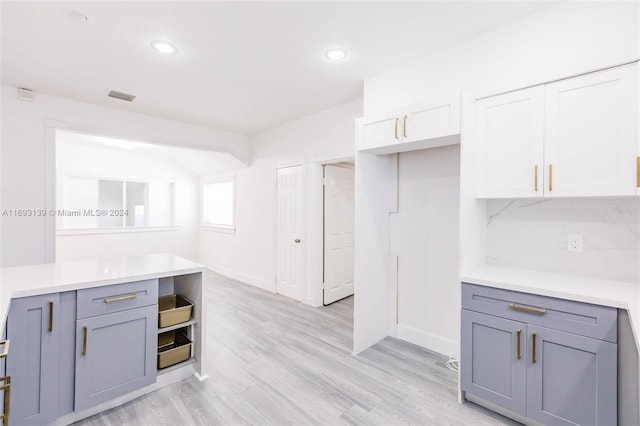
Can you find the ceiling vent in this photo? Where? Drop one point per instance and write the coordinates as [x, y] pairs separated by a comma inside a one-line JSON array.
[[120, 95], [26, 94]]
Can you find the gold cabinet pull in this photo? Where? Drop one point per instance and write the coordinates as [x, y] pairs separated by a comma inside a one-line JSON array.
[[6, 388], [119, 298], [535, 178], [518, 353], [550, 177], [528, 309], [404, 126], [5, 352], [50, 316], [84, 341], [395, 128], [533, 346]]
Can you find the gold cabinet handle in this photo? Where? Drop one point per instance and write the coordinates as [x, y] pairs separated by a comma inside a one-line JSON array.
[[533, 347], [395, 128], [50, 316], [119, 298], [84, 341], [518, 353], [550, 177], [6, 388], [5, 352], [528, 309], [404, 126], [535, 178]]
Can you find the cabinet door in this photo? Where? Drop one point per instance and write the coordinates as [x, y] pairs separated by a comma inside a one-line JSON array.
[[379, 131], [591, 134], [430, 120], [509, 144], [115, 354], [573, 380], [32, 327], [491, 366]]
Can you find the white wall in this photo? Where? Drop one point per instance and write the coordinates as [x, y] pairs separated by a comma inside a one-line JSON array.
[[564, 40], [23, 156], [90, 160], [425, 238], [248, 254]]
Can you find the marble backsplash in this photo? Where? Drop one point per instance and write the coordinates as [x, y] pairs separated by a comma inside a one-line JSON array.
[[533, 234]]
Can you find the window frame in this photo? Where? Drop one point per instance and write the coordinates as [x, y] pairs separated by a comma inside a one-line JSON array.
[[116, 229], [212, 226]]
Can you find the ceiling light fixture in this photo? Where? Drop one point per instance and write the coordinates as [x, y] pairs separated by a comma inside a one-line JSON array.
[[335, 54], [163, 47]]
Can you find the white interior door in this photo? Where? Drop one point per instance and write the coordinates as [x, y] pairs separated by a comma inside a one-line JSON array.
[[339, 194], [289, 227]]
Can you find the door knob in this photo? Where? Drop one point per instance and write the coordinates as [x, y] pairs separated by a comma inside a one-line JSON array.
[[297, 240]]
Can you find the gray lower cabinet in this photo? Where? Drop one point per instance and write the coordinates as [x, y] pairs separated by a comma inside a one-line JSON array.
[[573, 379], [547, 359], [115, 354], [60, 361], [32, 363], [494, 370]]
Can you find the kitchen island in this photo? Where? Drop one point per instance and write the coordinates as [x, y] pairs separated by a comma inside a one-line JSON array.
[[85, 337]]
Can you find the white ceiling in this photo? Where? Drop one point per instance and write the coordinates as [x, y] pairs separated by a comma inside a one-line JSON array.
[[241, 66]]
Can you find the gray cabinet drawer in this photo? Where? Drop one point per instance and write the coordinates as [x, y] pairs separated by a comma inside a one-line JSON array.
[[116, 298], [599, 322]]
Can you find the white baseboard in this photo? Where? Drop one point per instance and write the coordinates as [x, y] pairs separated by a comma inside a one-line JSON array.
[[429, 341], [245, 278]]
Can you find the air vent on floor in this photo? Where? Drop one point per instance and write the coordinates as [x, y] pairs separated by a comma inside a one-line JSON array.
[[120, 95]]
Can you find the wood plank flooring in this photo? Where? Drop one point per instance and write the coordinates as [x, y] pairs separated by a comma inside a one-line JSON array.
[[274, 361]]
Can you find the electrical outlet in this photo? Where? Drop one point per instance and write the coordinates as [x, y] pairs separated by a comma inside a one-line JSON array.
[[575, 243]]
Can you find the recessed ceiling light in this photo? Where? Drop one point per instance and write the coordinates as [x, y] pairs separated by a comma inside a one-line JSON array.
[[335, 54], [163, 47]]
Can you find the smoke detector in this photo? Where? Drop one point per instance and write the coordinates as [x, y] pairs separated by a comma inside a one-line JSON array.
[[26, 94], [78, 16], [121, 95]]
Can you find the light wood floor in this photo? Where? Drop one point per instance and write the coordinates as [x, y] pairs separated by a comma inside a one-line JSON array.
[[275, 361]]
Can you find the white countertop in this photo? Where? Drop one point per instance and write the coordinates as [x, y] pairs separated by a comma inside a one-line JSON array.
[[57, 277], [617, 294]]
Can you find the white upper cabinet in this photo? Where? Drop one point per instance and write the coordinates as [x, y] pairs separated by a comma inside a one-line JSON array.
[[431, 120], [576, 137], [380, 131], [509, 144], [591, 134], [425, 125]]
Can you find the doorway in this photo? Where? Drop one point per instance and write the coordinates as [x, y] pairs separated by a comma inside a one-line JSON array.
[[338, 231], [289, 231]]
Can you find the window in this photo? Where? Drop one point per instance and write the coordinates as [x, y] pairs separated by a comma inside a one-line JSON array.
[[218, 204], [95, 203]]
